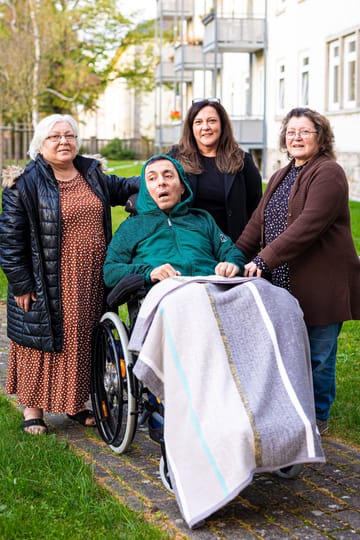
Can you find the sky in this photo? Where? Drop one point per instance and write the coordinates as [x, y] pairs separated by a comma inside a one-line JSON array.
[[146, 8]]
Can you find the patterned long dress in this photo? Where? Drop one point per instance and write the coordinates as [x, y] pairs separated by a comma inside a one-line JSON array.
[[60, 382]]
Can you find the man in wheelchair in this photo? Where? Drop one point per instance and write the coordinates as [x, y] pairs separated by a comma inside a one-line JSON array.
[[167, 237], [227, 355]]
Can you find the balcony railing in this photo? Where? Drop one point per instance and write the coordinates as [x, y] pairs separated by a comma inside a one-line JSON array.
[[167, 134], [166, 74], [234, 35], [248, 131], [192, 57], [175, 8]]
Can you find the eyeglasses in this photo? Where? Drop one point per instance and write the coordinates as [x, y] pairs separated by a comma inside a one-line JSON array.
[[57, 138], [210, 100], [303, 133]]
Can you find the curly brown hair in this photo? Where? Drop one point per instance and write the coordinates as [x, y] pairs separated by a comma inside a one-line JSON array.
[[325, 135], [229, 155]]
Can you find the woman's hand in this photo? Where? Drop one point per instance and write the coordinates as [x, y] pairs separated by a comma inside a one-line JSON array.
[[162, 272], [226, 269], [250, 270], [24, 301]]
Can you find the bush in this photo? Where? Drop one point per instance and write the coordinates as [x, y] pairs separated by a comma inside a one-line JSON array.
[[115, 150]]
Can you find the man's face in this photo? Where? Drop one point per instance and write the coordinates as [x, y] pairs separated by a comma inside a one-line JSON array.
[[163, 183]]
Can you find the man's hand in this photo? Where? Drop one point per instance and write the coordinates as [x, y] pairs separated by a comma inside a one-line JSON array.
[[226, 269], [162, 272]]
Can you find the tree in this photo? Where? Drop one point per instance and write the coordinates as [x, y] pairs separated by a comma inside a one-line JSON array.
[[56, 54], [139, 71]]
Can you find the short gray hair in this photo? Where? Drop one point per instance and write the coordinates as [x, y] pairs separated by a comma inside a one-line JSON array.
[[43, 129]]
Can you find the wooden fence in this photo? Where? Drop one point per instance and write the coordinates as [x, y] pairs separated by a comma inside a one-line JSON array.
[[15, 141]]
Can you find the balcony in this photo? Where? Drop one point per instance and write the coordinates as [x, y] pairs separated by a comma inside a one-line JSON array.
[[248, 131], [233, 35], [165, 74], [191, 57], [167, 134], [168, 9]]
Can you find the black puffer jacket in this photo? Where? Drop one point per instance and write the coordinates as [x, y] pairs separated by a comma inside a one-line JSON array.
[[30, 244]]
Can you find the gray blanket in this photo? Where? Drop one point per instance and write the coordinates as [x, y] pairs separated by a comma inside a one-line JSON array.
[[230, 359]]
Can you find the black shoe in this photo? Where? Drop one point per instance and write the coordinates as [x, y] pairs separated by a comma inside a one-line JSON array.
[[322, 426]]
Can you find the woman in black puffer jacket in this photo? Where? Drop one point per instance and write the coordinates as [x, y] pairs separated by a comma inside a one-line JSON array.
[[54, 229]]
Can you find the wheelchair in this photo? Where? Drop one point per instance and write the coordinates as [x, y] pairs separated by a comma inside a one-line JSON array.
[[120, 402]]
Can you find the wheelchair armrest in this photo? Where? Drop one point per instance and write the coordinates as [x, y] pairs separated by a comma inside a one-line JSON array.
[[128, 288]]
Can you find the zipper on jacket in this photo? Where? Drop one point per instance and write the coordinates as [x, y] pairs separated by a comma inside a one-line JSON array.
[[169, 222]]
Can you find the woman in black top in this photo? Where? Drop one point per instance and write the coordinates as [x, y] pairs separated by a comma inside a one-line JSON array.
[[223, 177]]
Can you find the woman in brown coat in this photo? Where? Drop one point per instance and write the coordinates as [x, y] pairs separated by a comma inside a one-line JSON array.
[[300, 238]]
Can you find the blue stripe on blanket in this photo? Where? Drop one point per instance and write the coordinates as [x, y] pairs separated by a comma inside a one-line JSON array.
[[194, 418]]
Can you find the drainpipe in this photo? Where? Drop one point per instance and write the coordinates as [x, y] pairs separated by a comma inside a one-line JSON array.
[[264, 137]]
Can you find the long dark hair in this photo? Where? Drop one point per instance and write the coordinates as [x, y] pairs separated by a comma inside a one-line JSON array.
[[229, 155], [324, 132]]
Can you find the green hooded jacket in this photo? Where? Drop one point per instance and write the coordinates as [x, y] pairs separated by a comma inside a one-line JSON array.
[[187, 238]]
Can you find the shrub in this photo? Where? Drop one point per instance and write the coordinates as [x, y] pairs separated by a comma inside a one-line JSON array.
[[115, 150]]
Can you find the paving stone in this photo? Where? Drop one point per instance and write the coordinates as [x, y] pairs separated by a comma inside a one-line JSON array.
[[321, 520], [309, 533], [350, 518], [344, 535]]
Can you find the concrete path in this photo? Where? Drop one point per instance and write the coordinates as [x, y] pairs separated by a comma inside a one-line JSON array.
[[324, 503]]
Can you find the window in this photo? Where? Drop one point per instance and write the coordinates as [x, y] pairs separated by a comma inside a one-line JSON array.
[[304, 81], [281, 88], [343, 86], [350, 71], [334, 75]]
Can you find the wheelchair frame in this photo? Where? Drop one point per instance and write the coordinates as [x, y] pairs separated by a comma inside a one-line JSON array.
[[121, 402]]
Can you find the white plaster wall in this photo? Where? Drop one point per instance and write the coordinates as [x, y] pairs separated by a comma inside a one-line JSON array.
[[305, 26]]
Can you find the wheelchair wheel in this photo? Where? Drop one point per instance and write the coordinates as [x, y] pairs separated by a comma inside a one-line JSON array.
[[291, 472], [113, 385]]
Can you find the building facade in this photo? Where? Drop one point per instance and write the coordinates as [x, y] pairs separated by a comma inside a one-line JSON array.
[[261, 58], [313, 60]]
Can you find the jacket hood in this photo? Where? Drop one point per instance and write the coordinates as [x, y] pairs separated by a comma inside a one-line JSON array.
[[145, 203], [11, 173]]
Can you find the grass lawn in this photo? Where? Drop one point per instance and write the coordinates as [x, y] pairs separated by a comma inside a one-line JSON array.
[[47, 491]]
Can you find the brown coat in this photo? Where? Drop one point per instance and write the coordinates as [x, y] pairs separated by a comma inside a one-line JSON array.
[[317, 243]]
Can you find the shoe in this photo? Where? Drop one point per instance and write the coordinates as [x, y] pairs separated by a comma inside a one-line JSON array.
[[82, 417], [39, 422], [322, 426], [290, 472]]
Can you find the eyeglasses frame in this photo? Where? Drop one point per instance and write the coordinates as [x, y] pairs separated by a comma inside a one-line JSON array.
[[297, 132], [69, 138], [210, 100]]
